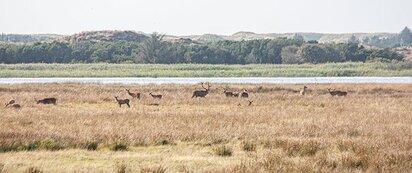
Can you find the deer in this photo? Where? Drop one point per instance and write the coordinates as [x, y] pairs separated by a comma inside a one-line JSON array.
[[122, 101], [50, 100], [235, 94], [201, 93], [159, 96], [11, 102], [337, 93], [134, 95], [303, 91], [229, 93], [244, 94], [16, 106]]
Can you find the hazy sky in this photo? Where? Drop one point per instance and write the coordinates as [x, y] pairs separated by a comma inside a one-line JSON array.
[[184, 17]]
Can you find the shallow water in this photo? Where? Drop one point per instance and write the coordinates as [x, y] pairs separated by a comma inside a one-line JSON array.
[[232, 80]]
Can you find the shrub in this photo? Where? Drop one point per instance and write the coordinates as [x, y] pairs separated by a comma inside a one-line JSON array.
[[223, 150]]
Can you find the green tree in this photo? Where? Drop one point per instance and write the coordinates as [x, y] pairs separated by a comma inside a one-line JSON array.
[[150, 49]]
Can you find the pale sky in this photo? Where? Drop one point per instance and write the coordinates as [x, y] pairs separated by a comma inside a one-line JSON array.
[[187, 17]]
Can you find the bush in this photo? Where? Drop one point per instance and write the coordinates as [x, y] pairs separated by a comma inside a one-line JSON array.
[[223, 151]]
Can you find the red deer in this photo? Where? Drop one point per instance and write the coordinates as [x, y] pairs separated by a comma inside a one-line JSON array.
[[201, 93], [47, 101], [244, 94], [156, 96], [134, 95], [235, 94], [16, 106], [229, 93], [11, 102], [337, 93], [123, 101], [303, 91]]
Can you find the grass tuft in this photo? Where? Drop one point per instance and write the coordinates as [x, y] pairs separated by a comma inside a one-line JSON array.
[[33, 170], [118, 147], [248, 146], [156, 169], [223, 150]]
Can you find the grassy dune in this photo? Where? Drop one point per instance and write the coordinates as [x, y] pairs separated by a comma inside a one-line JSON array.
[[202, 70], [369, 130]]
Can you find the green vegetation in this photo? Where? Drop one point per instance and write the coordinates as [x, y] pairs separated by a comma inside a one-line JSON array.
[[154, 50], [206, 70]]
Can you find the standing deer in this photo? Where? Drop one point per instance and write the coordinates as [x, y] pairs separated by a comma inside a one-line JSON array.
[[228, 93], [11, 102], [122, 101], [156, 96], [201, 93], [51, 100], [337, 93], [134, 95], [244, 94], [303, 91]]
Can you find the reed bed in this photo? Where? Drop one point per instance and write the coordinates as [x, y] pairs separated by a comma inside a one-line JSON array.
[[207, 70]]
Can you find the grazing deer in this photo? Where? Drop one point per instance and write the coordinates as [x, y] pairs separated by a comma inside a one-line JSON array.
[[201, 93], [47, 101], [134, 95], [16, 106], [303, 91], [337, 93], [156, 96], [235, 94], [244, 94], [122, 101], [228, 93], [11, 102]]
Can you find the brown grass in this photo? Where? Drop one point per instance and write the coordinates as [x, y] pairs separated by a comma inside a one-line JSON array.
[[368, 130]]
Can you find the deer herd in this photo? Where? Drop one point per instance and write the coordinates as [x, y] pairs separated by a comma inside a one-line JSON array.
[[197, 93]]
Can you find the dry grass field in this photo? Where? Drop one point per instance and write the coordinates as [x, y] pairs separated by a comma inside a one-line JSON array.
[[369, 130]]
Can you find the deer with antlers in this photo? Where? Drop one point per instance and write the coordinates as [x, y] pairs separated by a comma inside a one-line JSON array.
[[202, 93], [158, 96], [134, 95], [337, 93], [122, 102]]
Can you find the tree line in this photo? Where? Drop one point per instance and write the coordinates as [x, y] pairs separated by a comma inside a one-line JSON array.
[[155, 50]]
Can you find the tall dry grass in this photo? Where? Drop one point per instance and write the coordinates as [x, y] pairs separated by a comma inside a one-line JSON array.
[[369, 130]]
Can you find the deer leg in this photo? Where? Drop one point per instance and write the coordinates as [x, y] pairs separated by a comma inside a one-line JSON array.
[[128, 105]]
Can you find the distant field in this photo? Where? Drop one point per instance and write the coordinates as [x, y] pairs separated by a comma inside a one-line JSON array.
[[199, 70], [369, 130]]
